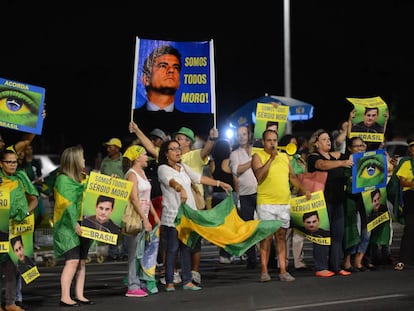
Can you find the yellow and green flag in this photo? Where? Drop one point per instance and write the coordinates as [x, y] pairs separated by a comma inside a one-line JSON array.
[[223, 227], [68, 195]]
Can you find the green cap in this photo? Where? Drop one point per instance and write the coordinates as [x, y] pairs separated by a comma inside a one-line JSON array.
[[187, 132]]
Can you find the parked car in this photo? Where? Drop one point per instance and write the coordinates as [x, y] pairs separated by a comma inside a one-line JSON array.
[[48, 162]]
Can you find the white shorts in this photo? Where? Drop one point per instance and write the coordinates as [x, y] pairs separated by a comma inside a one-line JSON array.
[[274, 212]]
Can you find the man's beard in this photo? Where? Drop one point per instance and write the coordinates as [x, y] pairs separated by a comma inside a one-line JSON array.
[[163, 90]]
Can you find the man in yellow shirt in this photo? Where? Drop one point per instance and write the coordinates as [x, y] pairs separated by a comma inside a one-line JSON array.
[[273, 172]]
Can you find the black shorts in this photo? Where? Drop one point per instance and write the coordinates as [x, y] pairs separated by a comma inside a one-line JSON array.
[[80, 251]]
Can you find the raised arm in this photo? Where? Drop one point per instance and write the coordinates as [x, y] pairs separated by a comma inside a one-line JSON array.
[[208, 146], [145, 141]]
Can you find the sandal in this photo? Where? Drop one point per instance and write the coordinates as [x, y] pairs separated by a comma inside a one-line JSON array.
[[399, 266]]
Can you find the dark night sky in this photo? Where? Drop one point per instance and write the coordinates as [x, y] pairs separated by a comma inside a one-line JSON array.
[[83, 56]]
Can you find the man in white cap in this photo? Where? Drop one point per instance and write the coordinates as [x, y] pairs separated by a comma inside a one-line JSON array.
[[112, 165]]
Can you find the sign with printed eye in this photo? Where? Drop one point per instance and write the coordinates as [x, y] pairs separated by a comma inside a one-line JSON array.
[[21, 106], [370, 171]]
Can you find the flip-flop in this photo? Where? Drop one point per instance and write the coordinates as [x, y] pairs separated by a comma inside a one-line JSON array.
[[399, 266]]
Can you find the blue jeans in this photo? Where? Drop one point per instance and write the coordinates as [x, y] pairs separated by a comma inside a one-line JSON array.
[[172, 245], [330, 257], [246, 212], [362, 246]]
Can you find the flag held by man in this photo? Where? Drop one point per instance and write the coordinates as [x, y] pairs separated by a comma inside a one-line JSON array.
[[223, 227]]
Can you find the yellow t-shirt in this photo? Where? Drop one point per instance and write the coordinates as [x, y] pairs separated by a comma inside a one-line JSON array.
[[406, 172], [196, 163], [274, 189]]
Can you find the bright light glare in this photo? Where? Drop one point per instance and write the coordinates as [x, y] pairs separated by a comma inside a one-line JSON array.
[[229, 133]]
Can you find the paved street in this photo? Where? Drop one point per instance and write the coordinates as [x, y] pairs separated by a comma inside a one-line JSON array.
[[233, 287]]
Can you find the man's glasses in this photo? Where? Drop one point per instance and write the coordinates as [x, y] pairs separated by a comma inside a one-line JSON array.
[[9, 162], [358, 146], [175, 149]]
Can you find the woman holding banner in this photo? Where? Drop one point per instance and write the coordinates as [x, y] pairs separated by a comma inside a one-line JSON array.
[[356, 237], [67, 240], [328, 259]]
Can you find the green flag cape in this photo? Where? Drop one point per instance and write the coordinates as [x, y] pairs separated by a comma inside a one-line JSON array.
[[67, 212], [223, 227], [11, 189], [351, 233], [394, 191], [29, 187]]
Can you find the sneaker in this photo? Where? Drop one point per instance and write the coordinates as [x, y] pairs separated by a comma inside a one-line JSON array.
[[196, 277], [177, 278], [223, 259], [324, 273], [191, 287], [264, 277], [286, 277], [136, 293]]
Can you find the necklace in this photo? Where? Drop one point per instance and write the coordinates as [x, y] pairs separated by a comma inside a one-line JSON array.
[[325, 154]]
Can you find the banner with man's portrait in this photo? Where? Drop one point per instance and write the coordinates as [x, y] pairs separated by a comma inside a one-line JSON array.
[[195, 93], [174, 86], [310, 218], [269, 116], [370, 117], [103, 205]]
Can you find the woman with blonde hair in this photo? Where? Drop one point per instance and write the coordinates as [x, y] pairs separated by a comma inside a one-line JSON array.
[[67, 240], [141, 199]]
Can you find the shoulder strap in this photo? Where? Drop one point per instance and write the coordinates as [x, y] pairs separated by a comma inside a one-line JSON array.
[[133, 171]]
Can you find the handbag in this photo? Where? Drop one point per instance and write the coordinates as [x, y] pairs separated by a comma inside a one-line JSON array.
[[314, 181], [131, 220], [198, 197]]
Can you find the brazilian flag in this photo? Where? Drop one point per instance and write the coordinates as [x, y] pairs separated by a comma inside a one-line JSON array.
[[67, 212], [223, 227], [147, 252]]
